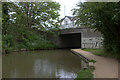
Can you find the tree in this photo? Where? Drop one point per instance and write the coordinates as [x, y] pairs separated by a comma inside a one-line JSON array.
[[19, 17], [103, 17], [43, 14]]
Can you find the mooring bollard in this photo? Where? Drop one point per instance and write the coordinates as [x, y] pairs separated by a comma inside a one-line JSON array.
[[91, 65], [84, 65], [85, 68]]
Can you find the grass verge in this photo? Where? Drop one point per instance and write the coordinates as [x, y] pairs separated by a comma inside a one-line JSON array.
[[85, 74], [98, 52]]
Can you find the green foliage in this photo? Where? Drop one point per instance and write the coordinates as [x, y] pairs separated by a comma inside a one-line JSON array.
[[7, 43], [98, 52], [85, 75], [18, 19], [105, 18], [0, 14], [40, 42], [92, 61], [42, 14]]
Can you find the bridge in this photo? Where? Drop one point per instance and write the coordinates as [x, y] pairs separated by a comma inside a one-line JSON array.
[[73, 37], [79, 38]]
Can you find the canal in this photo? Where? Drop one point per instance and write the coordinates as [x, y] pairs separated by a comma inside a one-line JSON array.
[[41, 64]]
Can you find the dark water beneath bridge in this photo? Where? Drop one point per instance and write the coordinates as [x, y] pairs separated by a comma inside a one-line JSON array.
[[70, 40], [41, 64]]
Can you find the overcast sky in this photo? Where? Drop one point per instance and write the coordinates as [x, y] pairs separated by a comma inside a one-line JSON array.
[[69, 4]]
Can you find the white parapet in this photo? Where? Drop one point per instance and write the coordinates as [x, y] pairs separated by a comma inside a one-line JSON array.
[[92, 42]]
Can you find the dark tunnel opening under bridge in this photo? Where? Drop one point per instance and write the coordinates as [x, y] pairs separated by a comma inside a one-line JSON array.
[[70, 40]]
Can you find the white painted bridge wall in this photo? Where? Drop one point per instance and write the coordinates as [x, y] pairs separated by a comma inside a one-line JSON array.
[[92, 42]]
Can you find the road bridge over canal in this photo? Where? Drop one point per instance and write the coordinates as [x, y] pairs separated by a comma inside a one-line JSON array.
[[80, 38], [77, 38]]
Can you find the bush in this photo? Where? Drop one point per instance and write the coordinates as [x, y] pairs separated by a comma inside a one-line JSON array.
[[7, 43], [39, 42], [112, 48], [85, 74], [28, 40]]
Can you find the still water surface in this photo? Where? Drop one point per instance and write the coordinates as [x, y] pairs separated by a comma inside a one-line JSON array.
[[41, 64]]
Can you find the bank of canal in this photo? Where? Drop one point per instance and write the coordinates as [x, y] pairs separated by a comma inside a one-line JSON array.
[[41, 64], [105, 67]]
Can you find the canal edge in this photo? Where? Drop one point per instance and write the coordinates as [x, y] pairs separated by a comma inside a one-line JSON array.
[[84, 58]]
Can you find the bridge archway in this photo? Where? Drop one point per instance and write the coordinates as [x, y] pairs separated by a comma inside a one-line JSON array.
[[71, 40]]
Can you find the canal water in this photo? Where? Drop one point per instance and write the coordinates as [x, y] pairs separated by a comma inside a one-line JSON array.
[[41, 64]]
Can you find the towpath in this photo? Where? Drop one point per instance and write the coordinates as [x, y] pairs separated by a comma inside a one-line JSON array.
[[105, 67]]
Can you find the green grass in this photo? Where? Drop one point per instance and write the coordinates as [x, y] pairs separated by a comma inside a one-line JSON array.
[[98, 52], [92, 61], [85, 74]]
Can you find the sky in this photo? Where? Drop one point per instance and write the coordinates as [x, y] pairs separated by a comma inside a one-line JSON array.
[[68, 4]]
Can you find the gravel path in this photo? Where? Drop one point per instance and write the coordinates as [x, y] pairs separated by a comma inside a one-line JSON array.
[[105, 67]]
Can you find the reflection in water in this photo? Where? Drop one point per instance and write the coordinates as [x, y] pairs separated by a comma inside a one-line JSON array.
[[41, 64], [37, 67], [64, 74]]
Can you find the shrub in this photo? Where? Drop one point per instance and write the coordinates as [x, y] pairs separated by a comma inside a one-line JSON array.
[[85, 74]]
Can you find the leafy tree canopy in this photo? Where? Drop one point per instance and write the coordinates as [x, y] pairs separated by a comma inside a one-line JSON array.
[[103, 17], [19, 18]]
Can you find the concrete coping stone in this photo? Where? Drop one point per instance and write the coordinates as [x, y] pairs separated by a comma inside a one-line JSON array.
[[91, 64], [80, 55]]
